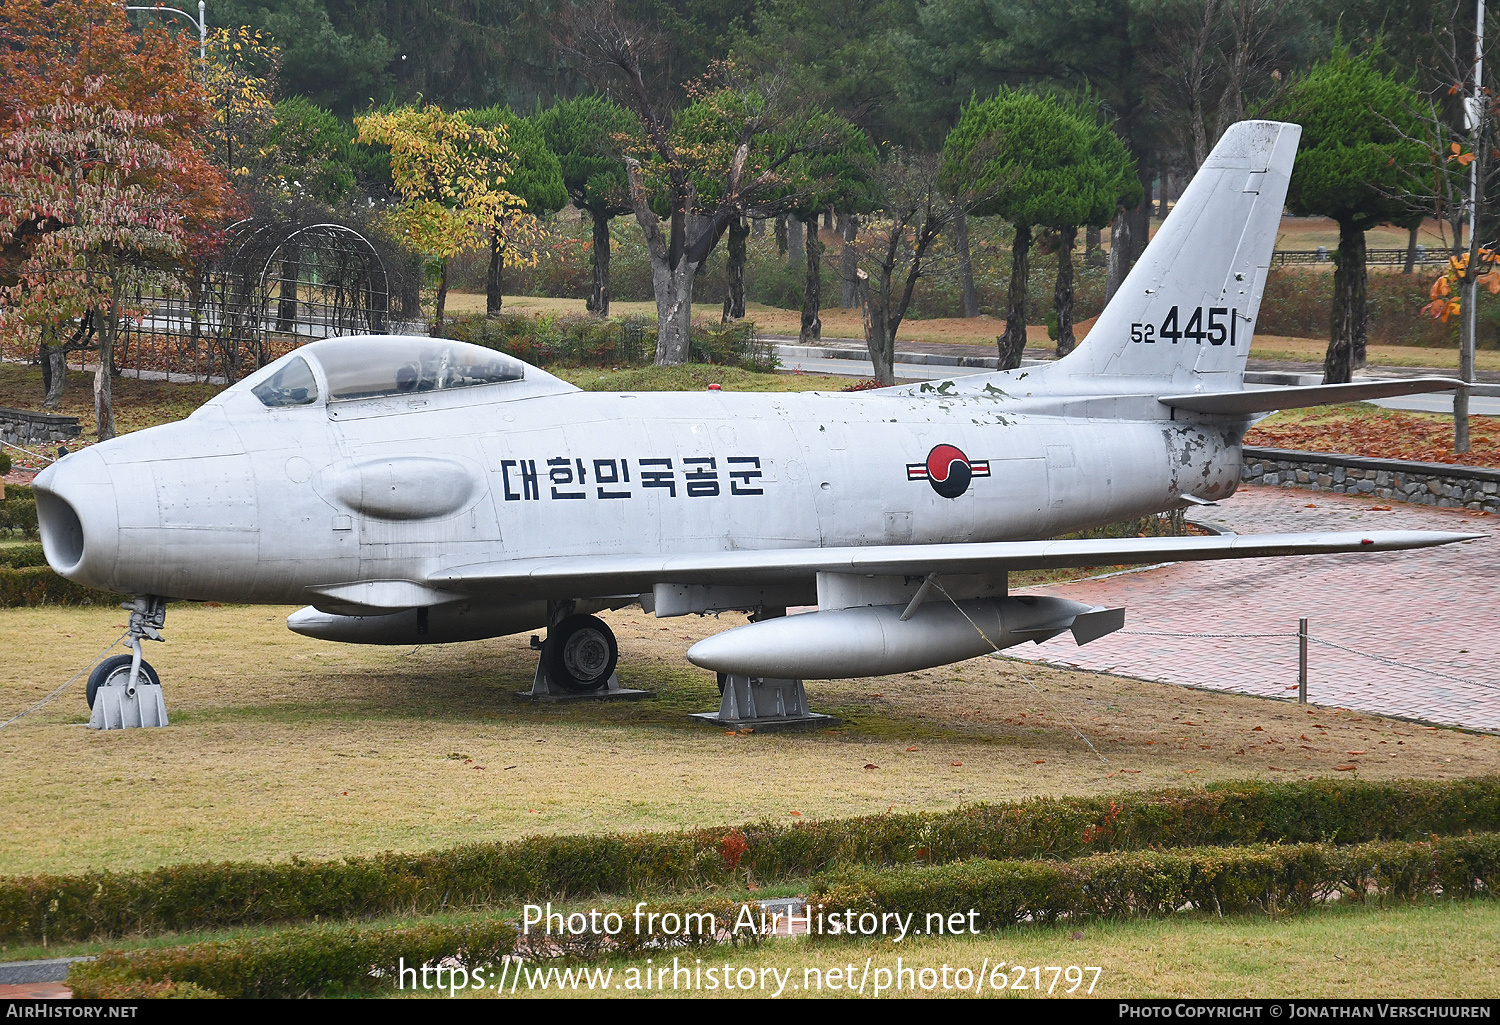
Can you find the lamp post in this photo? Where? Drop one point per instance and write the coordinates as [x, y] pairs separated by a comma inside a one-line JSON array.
[[1476, 121], [201, 22]]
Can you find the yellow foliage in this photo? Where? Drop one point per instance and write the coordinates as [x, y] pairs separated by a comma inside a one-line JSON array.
[[239, 76], [450, 174]]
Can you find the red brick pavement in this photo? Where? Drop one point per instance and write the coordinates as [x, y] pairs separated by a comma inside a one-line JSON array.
[[1433, 608]]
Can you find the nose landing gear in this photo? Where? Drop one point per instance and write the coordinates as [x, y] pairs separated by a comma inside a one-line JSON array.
[[124, 691]]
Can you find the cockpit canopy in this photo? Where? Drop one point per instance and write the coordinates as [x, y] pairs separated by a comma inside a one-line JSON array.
[[374, 366]]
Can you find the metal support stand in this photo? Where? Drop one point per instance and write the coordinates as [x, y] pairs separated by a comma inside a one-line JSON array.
[[760, 703], [1302, 661], [138, 701], [543, 689]]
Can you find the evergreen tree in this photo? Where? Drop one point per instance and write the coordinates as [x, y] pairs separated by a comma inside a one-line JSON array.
[[535, 177], [583, 133], [1356, 163], [1043, 165]]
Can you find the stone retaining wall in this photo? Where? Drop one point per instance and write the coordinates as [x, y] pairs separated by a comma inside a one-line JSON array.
[[23, 427], [1440, 484]]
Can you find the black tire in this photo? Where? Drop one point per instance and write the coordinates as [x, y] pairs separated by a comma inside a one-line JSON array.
[[580, 654], [118, 667]]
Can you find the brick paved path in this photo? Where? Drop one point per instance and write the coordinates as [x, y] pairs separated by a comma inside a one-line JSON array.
[[1434, 608]]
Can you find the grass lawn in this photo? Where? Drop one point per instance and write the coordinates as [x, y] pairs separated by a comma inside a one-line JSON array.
[[286, 746], [980, 331], [1436, 950], [1432, 949], [1312, 350]]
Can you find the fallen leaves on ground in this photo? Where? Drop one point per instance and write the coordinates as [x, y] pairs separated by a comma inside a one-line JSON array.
[[1364, 430]]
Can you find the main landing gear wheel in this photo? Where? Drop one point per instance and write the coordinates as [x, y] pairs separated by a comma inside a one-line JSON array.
[[115, 672], [580, 654]]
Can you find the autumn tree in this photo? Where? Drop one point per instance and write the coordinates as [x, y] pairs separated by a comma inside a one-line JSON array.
[[535, 178], [84, 59], [918, 199], [586, 134], [90, 171], [1459, 121], [240, 77], [450, 177]]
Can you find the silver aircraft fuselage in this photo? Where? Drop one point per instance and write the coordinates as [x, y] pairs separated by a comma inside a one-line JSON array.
[[267, 502]]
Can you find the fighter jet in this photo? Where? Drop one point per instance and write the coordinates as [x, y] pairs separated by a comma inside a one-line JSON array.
[[419, 490]]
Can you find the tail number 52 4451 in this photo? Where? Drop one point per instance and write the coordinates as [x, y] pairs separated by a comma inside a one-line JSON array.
[[1216, 325]]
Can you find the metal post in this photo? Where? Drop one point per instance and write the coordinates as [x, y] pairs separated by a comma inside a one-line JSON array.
[[1302, 661], [1477, 121]]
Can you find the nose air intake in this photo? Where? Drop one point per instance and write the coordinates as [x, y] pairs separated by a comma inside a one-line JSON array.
[[61, 529]]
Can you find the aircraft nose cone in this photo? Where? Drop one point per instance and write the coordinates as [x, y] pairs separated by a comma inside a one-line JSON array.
[[77, 517]]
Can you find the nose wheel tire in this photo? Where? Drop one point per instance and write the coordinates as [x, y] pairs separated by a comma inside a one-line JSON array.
[[115, 672], [580, 653]]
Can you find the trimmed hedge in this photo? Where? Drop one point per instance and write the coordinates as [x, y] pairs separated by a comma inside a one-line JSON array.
[[302, 962], [25, 578], [38, 585], [1223, 880], [1001, 894], [185, 897], [18, 510], [584, 341], [22, 556], [537, 944]]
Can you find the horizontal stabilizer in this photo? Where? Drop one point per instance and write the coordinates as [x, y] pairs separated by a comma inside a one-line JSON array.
[[1240, 403]]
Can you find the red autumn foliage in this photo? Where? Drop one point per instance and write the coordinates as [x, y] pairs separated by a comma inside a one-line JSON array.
[[1382, 434], [52, 53], [733, 846]]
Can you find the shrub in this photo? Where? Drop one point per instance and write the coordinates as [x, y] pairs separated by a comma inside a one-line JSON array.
[[979, 894], [293, 963], [1160, 882], [583, 341], [211, 895], [1299, 303], [30, 586], [22, 556], [18, 511]]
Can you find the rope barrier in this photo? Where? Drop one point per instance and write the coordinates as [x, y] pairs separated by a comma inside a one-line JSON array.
[[1384, 659], [27, 451], [1403, 665], [50, 697], [1154, 633], [1057, 711]]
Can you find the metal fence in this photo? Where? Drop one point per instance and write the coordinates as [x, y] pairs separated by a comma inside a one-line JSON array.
[[277, 285]]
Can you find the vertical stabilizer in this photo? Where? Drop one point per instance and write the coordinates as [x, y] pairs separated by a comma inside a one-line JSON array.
[[1186, 313]]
